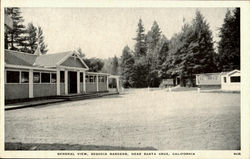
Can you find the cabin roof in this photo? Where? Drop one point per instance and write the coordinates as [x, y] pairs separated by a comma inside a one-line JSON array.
[[48, 60]]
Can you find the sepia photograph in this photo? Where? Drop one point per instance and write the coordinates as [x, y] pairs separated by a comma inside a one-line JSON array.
[[122, 79]]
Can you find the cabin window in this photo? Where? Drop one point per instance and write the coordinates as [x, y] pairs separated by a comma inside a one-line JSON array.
[[53, 78], [101, 79], [86, 78], [24, 77], [91, 79], [45, 77], [225, 79], [36, 77], [235, 79], [13, 76], [62, 77], [81, 77]]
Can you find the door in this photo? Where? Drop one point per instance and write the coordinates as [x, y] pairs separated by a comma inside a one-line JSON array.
[[72, 85]]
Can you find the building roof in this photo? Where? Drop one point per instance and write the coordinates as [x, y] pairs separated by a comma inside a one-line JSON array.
[[230, 72], [51, 59], [26, 59], [19, 58]]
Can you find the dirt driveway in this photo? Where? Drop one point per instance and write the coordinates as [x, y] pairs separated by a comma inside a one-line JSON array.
[[159, 119]]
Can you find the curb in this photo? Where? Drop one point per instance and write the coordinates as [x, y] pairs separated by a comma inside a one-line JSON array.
[[57, 101]]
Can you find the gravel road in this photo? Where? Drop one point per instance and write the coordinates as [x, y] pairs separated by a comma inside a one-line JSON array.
[[159, 119]]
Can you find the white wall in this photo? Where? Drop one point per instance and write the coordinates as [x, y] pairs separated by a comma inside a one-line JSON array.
[[228, 85]]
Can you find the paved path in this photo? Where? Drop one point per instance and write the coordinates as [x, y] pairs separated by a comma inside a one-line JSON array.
[[159, 119]]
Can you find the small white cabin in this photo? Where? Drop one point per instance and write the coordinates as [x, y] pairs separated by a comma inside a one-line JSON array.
[[230, 80]]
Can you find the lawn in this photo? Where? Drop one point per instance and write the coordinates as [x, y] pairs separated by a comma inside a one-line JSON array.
[[137, 119]]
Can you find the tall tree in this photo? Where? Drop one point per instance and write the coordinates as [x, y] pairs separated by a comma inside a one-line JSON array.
[[140, 46], [163, 58], [194, 52], [127, 62], [115, 65], [30, 44], [14, 38], [41, 42], [140, 67], [179, 61], [200, 51], [154, 43], [229, 44]]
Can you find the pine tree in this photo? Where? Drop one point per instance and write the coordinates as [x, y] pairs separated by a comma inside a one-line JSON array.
[[127, 62], [140, 46], [140, 67], [163, 58], [229, 44], [30, 44], [43, 46], [153, 48], [194, 52], [115, 66], [14, 38], [200, 50]]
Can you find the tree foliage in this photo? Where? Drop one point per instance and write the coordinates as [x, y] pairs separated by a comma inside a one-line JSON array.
[[127, 62], [41, 42], [140, 45], [229, 44], [14, 39], [30, 44], [94, 64], [21, 38], [114, 65]]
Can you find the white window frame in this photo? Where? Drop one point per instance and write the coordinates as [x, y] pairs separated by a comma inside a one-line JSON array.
[[39, 77], [21, 77], [51, 78], [13, 70]]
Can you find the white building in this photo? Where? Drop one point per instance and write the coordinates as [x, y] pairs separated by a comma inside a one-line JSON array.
[[230, 80]]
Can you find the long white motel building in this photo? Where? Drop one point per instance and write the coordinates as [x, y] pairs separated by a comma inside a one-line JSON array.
[[228, 81], [37, 75]]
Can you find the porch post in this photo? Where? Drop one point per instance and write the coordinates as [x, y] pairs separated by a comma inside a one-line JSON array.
[[117, 84], [66, 81], [107, 83], [84, 82], [97, 87], [31, 95], [58, 89], [78, 82]]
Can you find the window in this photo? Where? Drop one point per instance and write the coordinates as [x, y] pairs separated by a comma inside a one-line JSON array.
[[45, 77], [235, 79], [94, 78], [13, 76], [36, 77], [103, 79], [25, 77], [91, 79], [225, 79], [87, 78], [62, 77], [81, 77], [53, 78]]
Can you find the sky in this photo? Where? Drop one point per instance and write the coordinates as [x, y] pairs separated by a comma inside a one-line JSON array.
[[104, 32]]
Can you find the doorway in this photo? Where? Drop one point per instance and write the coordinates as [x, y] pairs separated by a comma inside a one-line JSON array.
[[72, 85]]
